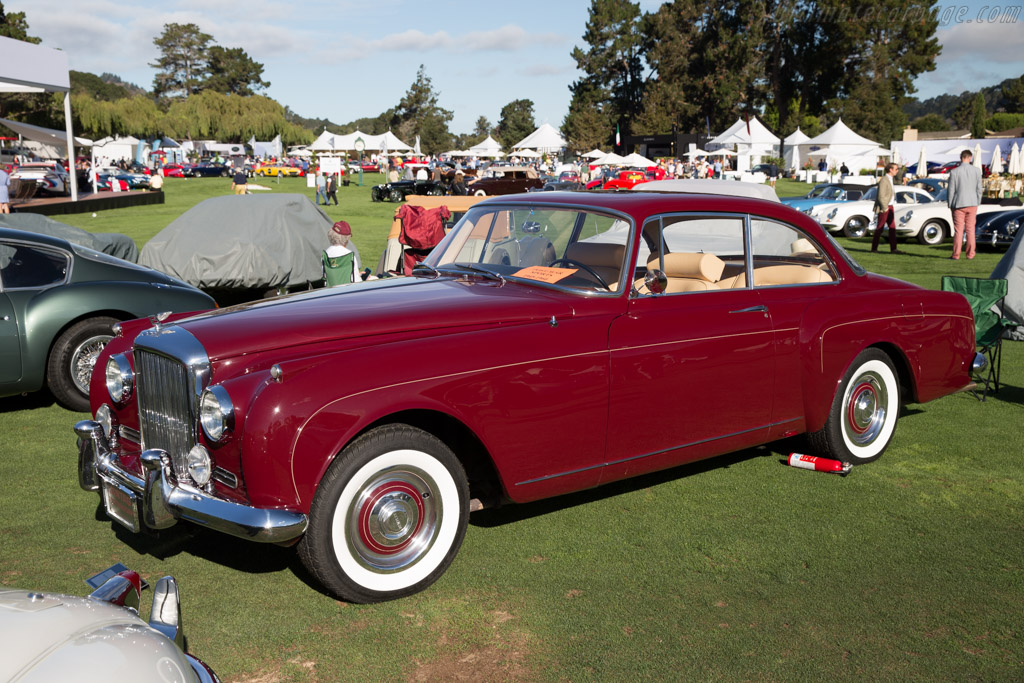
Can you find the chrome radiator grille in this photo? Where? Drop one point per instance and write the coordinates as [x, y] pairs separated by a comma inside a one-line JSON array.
[[166, 409]]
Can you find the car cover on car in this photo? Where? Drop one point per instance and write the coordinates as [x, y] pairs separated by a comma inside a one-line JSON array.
[[113, 243], [243, 242], [1011, 269]]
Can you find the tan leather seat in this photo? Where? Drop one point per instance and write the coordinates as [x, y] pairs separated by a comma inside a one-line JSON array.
[[769, 276], [687, 272], [604, 257]]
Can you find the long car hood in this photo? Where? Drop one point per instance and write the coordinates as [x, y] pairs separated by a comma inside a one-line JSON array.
[[404, 306]]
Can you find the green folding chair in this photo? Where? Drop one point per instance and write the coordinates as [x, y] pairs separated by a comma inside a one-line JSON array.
[[337, 269], [986, 299]]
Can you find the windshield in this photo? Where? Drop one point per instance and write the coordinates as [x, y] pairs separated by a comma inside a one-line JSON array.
[[562, 247]]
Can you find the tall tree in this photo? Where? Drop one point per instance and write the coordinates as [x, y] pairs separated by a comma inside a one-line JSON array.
[[418, 113], [515, 123], [612, 66], [1013, 94], [481, 130], [14, 25], [233, 72], [979, 117], [183, 62], [887, 44]]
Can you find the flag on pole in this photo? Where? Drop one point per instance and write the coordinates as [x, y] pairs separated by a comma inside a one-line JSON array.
[[618, 140]]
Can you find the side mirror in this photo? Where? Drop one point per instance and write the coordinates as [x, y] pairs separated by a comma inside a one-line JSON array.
[[656, 281]]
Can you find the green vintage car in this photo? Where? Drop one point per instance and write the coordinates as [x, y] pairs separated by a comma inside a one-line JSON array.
[[58, 305]]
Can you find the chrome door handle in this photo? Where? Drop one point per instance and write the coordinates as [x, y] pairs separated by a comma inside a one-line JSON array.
[[752, 309]]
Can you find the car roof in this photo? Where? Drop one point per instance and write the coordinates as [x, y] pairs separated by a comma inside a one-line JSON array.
[[24, 235], [728, 188]]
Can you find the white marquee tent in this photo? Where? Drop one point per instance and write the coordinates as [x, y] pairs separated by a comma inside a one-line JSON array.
[[791, 149], [25, 67], [488, 148], [840, 145], [544, 139], [751, 140]]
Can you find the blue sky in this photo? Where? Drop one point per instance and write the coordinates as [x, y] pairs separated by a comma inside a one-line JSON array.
[[346, 59]]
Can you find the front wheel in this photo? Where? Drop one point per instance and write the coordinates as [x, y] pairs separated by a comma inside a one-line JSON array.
[[862, 419], [388, 517], [479, 193], [856, 226], [72, 358], [396, 196], [932, 233]]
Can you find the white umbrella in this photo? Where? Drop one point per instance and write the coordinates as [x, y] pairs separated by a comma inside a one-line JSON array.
[[635, 159], [526, 153], [997, 161], [610, 159], [697, 152], [922, 164], [1013, 164], [722, 153], [594, 154], [977, 156]]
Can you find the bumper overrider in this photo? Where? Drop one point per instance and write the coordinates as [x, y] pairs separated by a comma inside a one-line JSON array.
[[158, 501]]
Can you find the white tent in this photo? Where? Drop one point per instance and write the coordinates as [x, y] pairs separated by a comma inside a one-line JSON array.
[[792, 155], [323, 143], [526, 154], [594, 154], [116, 147], [977, 157], [25, 67], [488, 148], [544, 139], [266, 149], [844, 146], [751, 140]]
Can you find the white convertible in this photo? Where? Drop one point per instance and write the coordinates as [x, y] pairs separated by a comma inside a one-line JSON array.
[[854, 219]]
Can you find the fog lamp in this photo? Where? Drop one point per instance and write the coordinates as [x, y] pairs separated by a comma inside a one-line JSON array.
[[199, 465], [106, 419]]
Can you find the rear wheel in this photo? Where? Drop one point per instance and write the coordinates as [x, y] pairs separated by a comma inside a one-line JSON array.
[[862, 419], [72, 358], [932, 233], [388, 517], [856, 226], [479, 193]]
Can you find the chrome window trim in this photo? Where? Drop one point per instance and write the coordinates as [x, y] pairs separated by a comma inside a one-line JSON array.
[[68, 258], [578, 208]]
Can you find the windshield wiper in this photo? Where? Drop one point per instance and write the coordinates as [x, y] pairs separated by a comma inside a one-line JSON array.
[[489, 274], [425, 269]]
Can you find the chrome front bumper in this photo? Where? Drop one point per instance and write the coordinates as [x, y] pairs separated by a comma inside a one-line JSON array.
[[158, 501]]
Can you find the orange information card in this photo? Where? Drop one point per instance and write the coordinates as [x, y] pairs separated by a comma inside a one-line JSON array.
[[545, 274]]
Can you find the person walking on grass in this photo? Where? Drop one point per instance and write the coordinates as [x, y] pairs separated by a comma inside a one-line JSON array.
[[332, 190], [963, 195], [885, 208], [321, 188]]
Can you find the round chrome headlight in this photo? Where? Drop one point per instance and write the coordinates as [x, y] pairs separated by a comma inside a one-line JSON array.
[[905, 218], [120, 378], [199, 465], [832, 213], [216, 413]]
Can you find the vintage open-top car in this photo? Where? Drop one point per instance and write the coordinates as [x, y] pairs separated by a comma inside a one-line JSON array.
[[551, 342], [99, 638]]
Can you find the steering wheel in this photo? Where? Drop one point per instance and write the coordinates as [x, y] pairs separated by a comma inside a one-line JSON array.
[[590, 271]]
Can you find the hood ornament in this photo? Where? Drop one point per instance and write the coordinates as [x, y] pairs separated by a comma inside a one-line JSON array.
[[158, 320]]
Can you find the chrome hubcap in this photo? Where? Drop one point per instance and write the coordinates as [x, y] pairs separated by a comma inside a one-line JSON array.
[[866, 402], [394, 519]]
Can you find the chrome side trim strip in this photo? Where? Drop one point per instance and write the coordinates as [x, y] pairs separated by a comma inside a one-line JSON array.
[[653, 453]]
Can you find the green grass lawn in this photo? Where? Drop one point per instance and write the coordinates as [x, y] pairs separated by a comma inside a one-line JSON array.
[[737, 568]]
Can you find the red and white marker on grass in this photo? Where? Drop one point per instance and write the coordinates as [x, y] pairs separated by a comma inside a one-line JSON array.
[[810, 462]]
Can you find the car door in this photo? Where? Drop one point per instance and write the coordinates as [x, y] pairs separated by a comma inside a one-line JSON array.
[[25, 268], [692, 369]]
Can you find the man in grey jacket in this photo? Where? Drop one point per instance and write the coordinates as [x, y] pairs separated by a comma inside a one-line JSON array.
[[963, 197]]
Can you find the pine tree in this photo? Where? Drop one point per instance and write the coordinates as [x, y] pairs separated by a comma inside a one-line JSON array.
[[183, 62]]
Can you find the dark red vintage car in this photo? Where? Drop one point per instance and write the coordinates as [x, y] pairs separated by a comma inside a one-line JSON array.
[[550, 343], [505, 180]]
